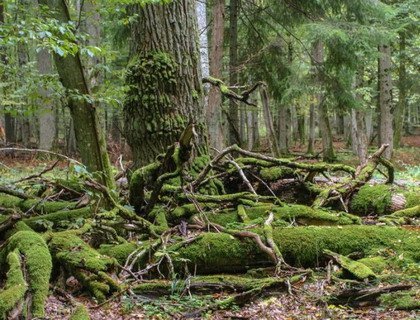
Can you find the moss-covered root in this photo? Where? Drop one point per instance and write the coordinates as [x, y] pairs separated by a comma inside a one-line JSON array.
[[356, 269], [80, 313], [35, 265], [83, 262], [14, 291], [300, 246], [402, 300]]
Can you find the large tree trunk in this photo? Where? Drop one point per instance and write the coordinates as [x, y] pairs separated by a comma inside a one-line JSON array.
[[47, 121], [89, 136], [385, 99], [164, 78], [402, 96], [234, 136], [214, 108]]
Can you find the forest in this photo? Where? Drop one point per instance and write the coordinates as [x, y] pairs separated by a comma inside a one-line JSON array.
[[209, 159]]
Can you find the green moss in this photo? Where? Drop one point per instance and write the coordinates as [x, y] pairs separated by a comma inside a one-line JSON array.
[[82, 261], [219, 253], [57, 218], [377, 263], [372, 200], [15, 286], [73, 252], [300, 246], [37, 205], [276, 173], [401, 300], [356, 269], [303, 215], [120, 251], [412, 197], [38, 264], [242, 214], [80, 313]]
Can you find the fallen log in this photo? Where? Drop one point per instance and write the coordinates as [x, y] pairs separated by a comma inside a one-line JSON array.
[[215, 253]]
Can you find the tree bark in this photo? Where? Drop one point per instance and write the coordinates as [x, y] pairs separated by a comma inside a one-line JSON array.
[[402, 95], [46, 118], [90, 25], [311, 137], [214, 108], [324, 122], [9, 121], [272, 138], [385, 99], [233, 122], [89, 136], [164, 79], [358, 127], [283, 136], [201, 8]]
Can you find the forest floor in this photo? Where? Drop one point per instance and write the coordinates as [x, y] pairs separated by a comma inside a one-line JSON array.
[[305, 300], [304, 303]]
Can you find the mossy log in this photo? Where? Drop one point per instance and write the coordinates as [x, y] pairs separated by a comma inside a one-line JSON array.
[[384, 199], [300, 246], [29, 269], [215, 253]]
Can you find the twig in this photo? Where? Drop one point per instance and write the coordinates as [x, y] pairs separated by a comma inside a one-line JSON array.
[[243, 176], [42, 151]]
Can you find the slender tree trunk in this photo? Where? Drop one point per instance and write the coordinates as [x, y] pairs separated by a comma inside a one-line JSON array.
[[250, 130], [402, 95], [89, 136], [385, 99], [272, 138], [214, 108], [301, 126], [242, 127], [369, 125], [91, 26], [234, 136], [255, 129], [283, 132], [164, 79], [201, 9], [311, 136], [324, 122], [22, 122], [47, 121]]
